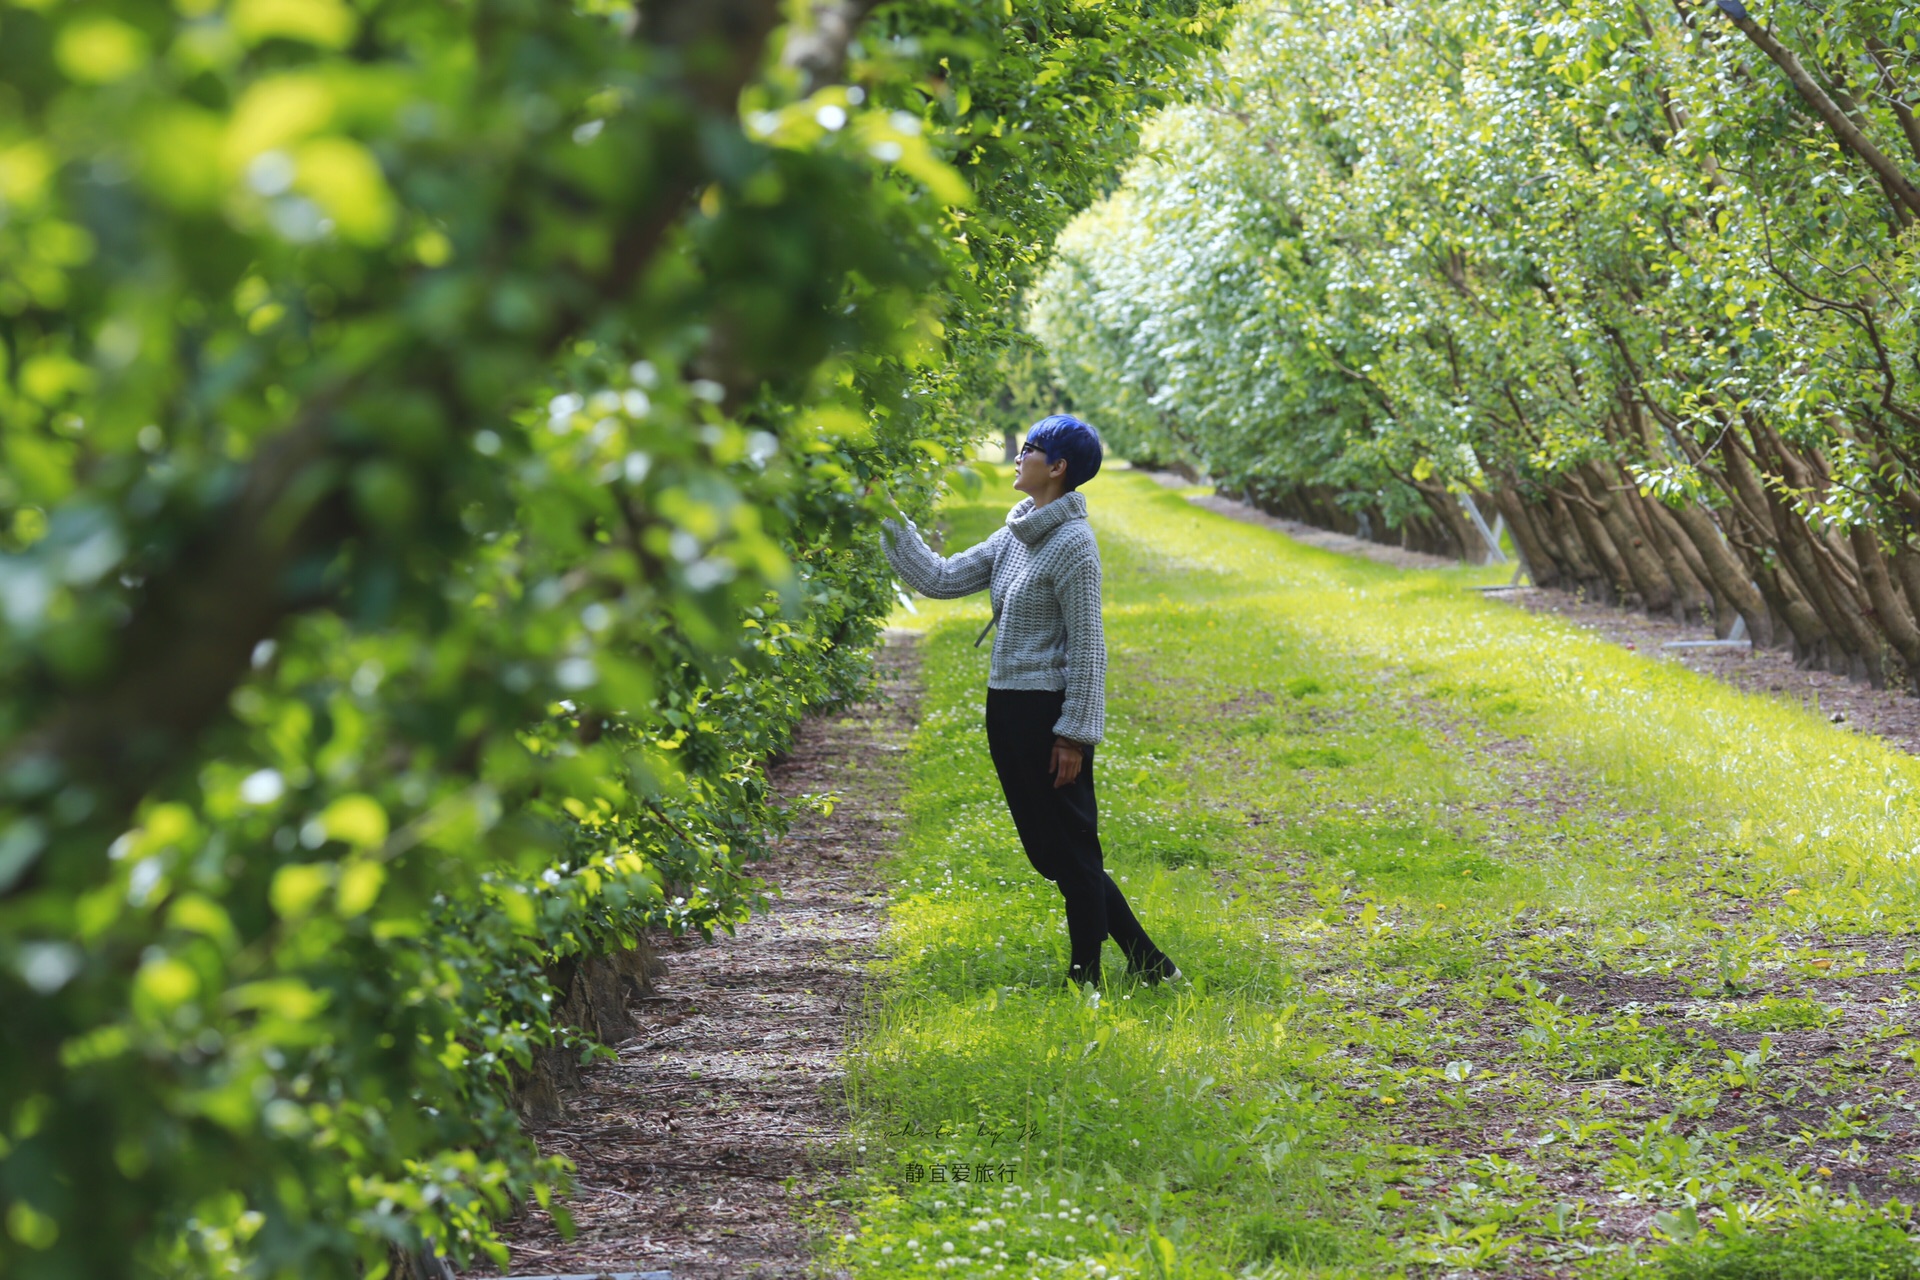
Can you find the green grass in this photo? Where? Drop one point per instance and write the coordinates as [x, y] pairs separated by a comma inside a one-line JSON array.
[[1503, 942], [1821, 1249]]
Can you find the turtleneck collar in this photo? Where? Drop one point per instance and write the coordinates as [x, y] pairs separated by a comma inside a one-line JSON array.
[[1030, 526]]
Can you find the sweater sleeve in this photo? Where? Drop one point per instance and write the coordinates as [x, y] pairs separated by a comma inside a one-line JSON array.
[[941, 578], [1083, 718]]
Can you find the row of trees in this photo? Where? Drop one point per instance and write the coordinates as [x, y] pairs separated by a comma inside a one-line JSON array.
[[435, 452], [1640, 277]]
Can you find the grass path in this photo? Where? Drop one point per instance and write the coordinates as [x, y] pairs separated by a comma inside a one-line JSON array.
[[1513, 952]]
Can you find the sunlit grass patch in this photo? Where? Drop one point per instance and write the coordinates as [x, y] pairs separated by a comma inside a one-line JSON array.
[[1137, 1086], [1503, 941], [1146, 1112], [1145, 836], [1494, 701], [1402, 856]]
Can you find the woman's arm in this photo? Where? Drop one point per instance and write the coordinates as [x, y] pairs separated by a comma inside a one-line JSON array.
[[1084, 716], [932, 575]]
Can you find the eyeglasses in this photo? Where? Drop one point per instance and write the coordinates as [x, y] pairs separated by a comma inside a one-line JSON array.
[[1029, 447]]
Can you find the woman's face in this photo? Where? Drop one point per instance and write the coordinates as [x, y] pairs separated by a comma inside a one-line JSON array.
[[1034, 473]]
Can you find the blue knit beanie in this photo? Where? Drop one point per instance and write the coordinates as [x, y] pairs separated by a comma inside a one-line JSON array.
[[1064, 436]]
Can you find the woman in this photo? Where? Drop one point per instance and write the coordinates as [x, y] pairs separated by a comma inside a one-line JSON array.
[[1046, 690]]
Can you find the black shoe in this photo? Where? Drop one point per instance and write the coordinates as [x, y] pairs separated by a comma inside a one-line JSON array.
[[1161, 970], [1077, 977]]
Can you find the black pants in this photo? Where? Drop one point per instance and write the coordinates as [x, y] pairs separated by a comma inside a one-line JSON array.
[[1059, 828]]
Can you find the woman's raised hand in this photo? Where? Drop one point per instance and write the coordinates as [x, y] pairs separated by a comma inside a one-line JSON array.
[[880, 487]]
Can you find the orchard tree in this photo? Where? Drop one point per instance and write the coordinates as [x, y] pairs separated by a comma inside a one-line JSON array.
[[1639, 277]]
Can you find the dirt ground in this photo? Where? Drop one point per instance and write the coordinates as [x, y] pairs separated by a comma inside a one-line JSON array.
[[701, 1146]]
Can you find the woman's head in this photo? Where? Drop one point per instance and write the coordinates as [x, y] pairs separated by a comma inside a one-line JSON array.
[[1064, 438]]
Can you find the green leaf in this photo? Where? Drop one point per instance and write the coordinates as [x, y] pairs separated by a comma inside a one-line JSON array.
[[297, 888]]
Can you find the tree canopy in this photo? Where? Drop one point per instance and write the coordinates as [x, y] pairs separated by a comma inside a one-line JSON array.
[[1638, 276]]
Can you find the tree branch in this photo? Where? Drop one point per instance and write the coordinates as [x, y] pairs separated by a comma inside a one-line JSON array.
[[1849, 134], [821, 52], [1891, 90]]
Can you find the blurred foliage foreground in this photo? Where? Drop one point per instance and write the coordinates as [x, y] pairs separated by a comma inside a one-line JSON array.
[[435, 442]]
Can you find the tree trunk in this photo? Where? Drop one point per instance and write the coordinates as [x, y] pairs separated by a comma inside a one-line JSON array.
[[1817, 566], [1795, 612], [1587, 572], [1906, 569], [1852, 637], [1693, 597], [1724, 570], [1542, 564], [1447, 513], [1809, 623], [1620, 587], [1635, 561], [1894, 619], [1424, 534]]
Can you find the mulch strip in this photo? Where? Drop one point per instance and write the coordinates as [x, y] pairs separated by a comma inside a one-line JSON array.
[[718, 1125]]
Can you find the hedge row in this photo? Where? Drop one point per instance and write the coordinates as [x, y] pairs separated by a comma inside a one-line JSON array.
[[437, 448]]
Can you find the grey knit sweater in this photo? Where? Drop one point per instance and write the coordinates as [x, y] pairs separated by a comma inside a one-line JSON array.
[[1043, 568]]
